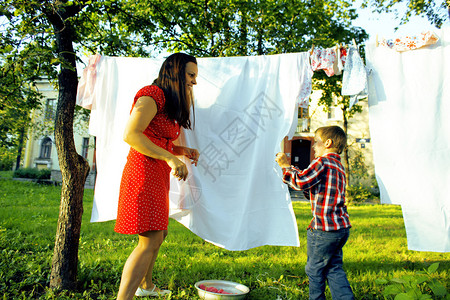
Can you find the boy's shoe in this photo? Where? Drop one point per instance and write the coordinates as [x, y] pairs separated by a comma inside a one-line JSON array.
[[140, 292]]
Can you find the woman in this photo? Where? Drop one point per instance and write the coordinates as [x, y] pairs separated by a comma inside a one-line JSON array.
[[157, 113]]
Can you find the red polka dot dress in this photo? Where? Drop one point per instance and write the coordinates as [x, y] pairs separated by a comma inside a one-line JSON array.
[[144, 189]]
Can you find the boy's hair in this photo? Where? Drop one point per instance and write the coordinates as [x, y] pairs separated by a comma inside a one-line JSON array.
[[336, 134]]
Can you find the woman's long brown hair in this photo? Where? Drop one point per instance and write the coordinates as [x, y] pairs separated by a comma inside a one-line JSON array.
[[172, 80]]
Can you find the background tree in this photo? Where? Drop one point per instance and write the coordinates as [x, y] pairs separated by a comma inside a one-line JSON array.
[[59, 30], [46, 35], [254, 27], [224, 28], [17, 95], [44, 31], [331, 97], [436, 11]]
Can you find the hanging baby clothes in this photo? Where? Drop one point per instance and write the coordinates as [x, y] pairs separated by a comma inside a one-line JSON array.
[[341, 54], [341, 58], [354, 79], [323, 59], [86, 85], [306, 74], [327, 59], [244, 107], [409, 106], [411, 42]]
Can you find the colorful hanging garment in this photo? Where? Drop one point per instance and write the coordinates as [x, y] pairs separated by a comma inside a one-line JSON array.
[[407, 43]]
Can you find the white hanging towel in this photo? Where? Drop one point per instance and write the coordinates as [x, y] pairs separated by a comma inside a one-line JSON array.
[[244, 107], [409, 112]]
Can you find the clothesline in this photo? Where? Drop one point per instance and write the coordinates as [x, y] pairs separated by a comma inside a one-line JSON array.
[[339, 60], [345, 59], [410, 167], [237, 133]]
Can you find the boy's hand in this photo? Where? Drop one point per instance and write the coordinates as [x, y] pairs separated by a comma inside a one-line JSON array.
[[282, 160]]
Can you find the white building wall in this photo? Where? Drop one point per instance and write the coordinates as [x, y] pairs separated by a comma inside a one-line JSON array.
[[36, 135]]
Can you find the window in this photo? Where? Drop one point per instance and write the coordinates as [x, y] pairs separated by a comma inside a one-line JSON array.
[[85, 148], [303, 112], [332, 114], [46, 148], [334, 111], [50, 109], [304, 123]]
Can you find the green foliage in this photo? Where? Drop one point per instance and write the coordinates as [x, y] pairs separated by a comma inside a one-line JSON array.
[[437, 12], [6, 174], [7, 158], [357, 194], [32, 173], [126, 28], [376, 249], [17, 100], [358, 167], [363, 187], [331, 95], [235, 27], [421, 285]]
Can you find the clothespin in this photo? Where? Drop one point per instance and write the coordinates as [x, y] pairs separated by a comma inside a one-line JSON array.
[[376, 41], [354, 44], [312, 49]]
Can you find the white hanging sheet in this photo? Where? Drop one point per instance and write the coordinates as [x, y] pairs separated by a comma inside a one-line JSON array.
[[244, 107], [409, 109]]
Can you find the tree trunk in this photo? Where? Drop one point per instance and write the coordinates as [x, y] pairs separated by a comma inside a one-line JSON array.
[[243, 34], [74, 168], [20, 147]]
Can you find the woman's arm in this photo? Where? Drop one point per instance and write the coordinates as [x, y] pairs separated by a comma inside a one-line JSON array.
[[142, 114]]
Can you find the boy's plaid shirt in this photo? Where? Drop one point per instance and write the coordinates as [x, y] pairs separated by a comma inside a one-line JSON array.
[[325, 180]]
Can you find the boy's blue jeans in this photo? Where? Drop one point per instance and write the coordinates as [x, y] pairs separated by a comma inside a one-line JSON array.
[[324, 249]]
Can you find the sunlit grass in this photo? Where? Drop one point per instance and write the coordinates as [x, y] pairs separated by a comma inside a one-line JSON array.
[[377, 248]]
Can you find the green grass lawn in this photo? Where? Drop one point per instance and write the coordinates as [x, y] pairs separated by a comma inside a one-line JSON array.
[[377, 249]]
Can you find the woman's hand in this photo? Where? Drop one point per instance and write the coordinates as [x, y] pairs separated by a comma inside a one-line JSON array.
[[179, 169], [192, 154]]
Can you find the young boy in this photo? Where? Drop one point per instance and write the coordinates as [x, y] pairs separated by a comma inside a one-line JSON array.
[[328, 231]]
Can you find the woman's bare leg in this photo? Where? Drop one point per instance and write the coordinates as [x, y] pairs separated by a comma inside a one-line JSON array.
[[140, 262], [147, 281]]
